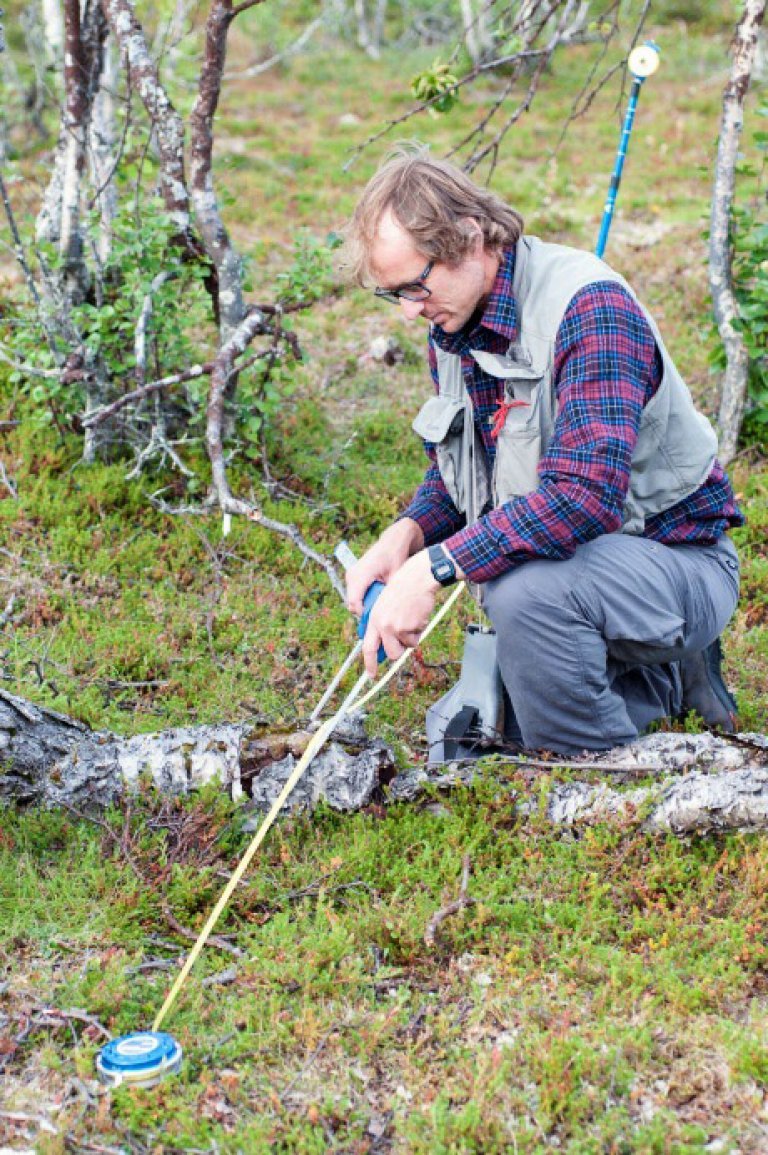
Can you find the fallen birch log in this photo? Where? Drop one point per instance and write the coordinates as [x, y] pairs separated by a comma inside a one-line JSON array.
[[691, 782], [50, 759]]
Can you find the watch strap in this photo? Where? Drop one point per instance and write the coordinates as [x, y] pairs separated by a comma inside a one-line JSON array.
[[443, 568]]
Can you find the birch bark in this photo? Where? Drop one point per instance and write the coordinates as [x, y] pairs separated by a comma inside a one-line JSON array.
[[166, 121], [231, 308], [705, 783], [734, 388], [59, 221]]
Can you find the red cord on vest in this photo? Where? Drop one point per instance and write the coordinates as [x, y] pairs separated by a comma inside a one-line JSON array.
[[500, 416]]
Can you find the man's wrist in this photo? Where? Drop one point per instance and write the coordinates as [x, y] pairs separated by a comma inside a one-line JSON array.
[[442, 566], [411, 532]]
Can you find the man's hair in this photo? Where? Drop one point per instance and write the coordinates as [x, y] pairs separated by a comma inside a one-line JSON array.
[[435, 202]]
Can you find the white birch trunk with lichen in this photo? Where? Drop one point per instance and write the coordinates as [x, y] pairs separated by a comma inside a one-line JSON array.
[[102, 139], [734, 387]]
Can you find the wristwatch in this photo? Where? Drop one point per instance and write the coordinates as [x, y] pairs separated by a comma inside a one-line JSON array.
[[443, 569]]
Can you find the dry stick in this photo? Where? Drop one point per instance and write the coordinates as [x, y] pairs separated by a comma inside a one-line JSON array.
[[493, 147], [316, 743], [228, 503], [142, 325], [452, 908], [190, 374], [6, 481], [7, 613], [426, 104]]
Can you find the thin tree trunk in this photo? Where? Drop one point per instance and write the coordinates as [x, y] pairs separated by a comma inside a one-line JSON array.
[[59, 222], [102, 140], [734, 389], [167, 123], [53, 23], [231, 308]]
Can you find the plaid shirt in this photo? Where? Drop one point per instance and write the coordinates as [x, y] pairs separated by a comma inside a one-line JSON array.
[[606, 369]]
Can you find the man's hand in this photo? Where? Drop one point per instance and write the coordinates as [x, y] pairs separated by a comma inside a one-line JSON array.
[[382, 560], [402, 611]]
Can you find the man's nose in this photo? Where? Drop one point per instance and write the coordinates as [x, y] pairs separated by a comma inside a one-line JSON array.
[[411, 309]]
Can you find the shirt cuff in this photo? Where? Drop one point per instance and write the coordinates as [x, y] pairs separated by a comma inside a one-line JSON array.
[[477, 552]]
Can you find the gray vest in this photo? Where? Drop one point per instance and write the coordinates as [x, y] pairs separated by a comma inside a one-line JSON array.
[[676, 444]]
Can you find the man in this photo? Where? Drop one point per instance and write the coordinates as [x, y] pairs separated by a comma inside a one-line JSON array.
[[571, 478]]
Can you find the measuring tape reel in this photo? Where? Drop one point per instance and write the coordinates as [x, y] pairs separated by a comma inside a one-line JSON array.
[[140, 1059]]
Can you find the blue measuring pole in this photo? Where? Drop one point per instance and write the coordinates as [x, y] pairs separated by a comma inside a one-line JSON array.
[[647, 62]]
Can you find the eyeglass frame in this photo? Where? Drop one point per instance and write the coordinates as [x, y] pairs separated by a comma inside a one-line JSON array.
[[395, 296]]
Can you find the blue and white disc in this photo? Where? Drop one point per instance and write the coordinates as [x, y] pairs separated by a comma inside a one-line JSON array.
[[140, 1059]]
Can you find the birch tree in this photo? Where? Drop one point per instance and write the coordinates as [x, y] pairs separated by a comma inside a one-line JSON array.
[[734, 387]]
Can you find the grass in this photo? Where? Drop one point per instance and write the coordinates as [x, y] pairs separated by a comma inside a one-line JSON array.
[[605, 991]]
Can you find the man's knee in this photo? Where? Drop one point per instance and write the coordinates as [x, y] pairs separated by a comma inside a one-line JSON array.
[[531, 602]]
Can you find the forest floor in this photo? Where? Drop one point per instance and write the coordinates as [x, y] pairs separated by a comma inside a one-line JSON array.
[[605, 990]]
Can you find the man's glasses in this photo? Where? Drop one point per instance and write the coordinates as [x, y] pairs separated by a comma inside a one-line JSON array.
[[413, 291]]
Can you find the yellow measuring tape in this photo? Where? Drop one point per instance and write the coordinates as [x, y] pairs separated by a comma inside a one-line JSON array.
[[316, 742]]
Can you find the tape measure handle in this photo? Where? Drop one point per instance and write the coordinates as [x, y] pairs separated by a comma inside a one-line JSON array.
[[369, 601]]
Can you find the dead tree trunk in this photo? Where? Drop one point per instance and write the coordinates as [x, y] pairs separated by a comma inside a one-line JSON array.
[[50, 759], [702, 782], [734, 390]]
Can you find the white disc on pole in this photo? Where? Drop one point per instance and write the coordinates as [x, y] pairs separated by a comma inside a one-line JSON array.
[[643, 60]]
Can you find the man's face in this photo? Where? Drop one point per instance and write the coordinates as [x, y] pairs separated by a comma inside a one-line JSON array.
[[455, 290]]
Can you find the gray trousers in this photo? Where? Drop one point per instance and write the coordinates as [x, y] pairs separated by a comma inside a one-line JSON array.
[[589, 648]]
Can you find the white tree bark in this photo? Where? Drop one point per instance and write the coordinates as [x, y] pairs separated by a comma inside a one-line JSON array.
[[53, 760], [706, 783], [734, 388], [101, 152], [53, 23], [166, 121]]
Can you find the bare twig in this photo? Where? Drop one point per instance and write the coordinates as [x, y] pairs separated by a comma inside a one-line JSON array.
[[140, 338], [244, 7], [26, 368], [7, 482], [7, 613], [292, 50], [452, 908], [191, 374]]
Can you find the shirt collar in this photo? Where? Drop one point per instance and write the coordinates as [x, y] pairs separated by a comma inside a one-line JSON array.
[[499, 315]]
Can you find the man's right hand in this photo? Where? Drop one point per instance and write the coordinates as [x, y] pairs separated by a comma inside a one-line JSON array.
[[382, 560]]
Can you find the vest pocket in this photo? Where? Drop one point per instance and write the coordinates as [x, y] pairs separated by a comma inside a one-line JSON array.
[[440, 422], [519, 443]]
